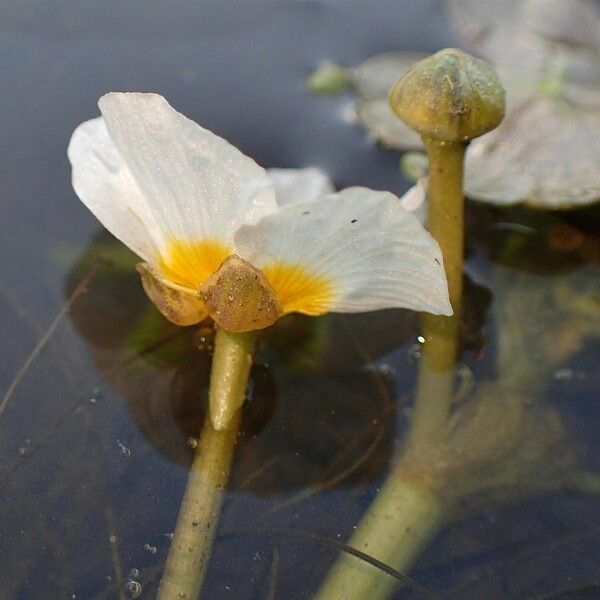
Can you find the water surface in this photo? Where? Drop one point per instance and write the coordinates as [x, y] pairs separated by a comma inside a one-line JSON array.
[[101, 399]]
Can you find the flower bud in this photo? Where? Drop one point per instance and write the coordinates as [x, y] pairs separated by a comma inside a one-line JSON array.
[[449, 96]]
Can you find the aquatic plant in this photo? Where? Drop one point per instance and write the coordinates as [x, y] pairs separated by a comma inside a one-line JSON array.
[[221, 238], [469, 446], [449, 99]]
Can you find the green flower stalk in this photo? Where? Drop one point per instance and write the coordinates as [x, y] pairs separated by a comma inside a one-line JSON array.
[[448, 98], [191, 547]]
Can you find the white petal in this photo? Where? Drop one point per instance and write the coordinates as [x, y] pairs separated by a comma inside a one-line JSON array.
[[415, 200], [377, 118], [374, 77], [299, 185], [536, 157], [197, 185], [574, 22], [496, 31], [373, 253], [106, 187]]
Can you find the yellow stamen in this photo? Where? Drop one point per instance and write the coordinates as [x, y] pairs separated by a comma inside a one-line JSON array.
[[299, 290], [190, 264]]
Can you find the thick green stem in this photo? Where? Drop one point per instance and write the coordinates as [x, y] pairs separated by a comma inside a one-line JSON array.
[[191, 547], [440, 350], [403, 518]]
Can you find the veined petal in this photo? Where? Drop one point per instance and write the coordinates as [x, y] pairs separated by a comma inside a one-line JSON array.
[[103, 182], [356, 251], [199, 187], [375, 76], [299, 185], [541, 166], [383, 125]]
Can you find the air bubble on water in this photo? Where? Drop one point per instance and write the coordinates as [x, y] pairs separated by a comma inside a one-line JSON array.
[[150, 548], [420, 339], [96, 395], [25, 449], [134, 573], [414, 352], [108, 579], [133, 588], [125, 451], [192, 442]]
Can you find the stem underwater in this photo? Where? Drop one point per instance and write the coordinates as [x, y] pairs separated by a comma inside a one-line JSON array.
[[191, 548]]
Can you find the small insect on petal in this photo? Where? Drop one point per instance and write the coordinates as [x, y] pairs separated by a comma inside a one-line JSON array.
[[178, 304], [239, 297]]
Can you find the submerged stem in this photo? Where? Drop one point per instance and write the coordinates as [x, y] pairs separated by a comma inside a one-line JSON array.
[[401, 521], [191, 547]]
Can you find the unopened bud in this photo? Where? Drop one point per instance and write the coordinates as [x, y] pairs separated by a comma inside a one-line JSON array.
[[450, 97]]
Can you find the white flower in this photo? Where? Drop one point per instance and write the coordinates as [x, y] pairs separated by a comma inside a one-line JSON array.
[[546, 152], [215, 230]]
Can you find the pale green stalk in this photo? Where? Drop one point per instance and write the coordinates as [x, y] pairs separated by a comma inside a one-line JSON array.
[[191, 547]]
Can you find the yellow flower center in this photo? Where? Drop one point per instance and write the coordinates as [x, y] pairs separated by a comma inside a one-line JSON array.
[[190, 264], [299, 290]]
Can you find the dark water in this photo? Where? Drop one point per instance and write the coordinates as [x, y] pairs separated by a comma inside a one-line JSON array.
[[99, 396]]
